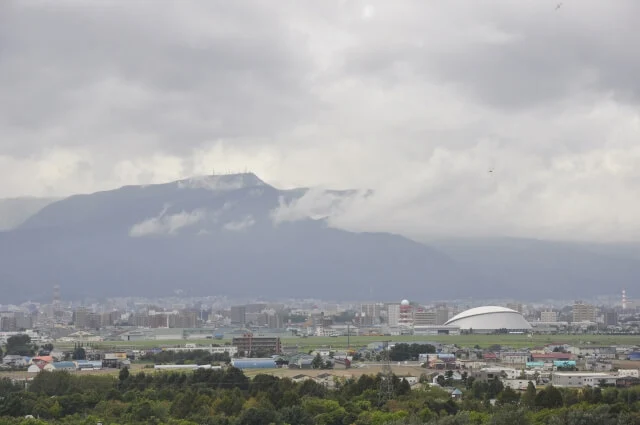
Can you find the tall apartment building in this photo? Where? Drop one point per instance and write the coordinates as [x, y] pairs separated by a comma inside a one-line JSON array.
[[370, 313], [442, 314], [110, 318], [238, 315], [274, 320], [549, 316], [8, 323], [393, 314], [141, 320], [184, 319], [159, 320], [610, 318], [583, 312], [255, 308], [515, 306], [424, 318], [80, 318], [93, 321]]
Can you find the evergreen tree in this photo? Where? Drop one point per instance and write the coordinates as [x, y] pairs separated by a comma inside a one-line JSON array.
[[317, 362], [124, 374], [529, 397]]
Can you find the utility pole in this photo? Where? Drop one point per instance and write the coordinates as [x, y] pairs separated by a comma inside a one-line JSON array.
[[386, 376]]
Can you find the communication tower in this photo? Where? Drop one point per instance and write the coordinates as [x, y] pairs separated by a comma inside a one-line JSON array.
[[386, 376]]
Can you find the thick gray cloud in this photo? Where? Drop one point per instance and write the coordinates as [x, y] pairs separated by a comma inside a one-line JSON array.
[[416, 100]]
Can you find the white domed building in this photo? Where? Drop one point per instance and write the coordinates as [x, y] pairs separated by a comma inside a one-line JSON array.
[[490, 319]]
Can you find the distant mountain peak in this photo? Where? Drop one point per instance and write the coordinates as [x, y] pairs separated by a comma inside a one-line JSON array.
[[221, 182]]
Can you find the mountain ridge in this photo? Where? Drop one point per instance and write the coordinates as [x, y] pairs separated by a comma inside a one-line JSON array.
[[213, 235], [236, 234]]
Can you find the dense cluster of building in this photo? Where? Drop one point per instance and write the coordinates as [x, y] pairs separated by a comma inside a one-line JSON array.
[[212, 317]]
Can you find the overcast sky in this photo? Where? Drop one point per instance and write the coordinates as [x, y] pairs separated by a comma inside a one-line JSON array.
[[417, 100]]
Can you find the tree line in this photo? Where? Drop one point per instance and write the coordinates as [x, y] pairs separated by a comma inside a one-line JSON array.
[[228, 397]]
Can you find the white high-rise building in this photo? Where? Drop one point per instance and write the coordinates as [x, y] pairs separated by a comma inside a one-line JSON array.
[[393, 314], [549, 316]]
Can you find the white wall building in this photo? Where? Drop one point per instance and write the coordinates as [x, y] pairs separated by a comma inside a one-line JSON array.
[[393, 315], [582, 379]]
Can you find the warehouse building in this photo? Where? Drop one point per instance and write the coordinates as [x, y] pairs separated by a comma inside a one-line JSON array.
[[582, 379]]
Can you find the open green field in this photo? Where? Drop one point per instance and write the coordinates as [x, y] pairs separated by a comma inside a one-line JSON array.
[[484, 341]]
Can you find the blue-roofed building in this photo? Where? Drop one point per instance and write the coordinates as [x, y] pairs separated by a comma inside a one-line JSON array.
[[68, 366], [86, 364], [254, 363], [635, 355], [564, 363]]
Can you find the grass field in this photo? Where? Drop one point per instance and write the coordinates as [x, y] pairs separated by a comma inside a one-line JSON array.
[[484, 341]]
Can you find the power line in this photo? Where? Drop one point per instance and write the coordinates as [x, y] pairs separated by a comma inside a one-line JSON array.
[[386, 391]]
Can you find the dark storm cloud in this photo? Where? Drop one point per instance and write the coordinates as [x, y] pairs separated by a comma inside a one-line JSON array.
[[509, 54], [416, 100], [240, 72]]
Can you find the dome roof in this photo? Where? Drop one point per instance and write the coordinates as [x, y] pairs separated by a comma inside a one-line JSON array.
[[405, 302], [482, 310], [490, 317]]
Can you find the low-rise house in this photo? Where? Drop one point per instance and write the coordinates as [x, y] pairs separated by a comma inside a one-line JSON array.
[[34, 368], [633, 373], [300, 378], [470, 364], [455, 393], [490, 357], [455, 377], [598, 365], [14, 360], [517, 384], [489, 373]]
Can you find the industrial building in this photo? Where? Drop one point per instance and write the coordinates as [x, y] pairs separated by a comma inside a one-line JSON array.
[[490, 319], [582, 379], [248, 344], [266, 363]]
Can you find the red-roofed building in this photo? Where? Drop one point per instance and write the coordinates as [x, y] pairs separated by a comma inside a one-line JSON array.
[[551, 356], [41, 361], [489, 356]]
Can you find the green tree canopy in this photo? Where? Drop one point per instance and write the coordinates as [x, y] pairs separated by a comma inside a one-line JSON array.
[[21, 345]]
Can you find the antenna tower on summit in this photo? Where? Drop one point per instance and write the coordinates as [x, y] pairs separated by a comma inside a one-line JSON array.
[[386, 376]]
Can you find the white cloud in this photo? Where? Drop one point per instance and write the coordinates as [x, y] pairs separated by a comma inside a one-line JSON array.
[[238, 226], [167, 224], [315, 204], [415, 100]]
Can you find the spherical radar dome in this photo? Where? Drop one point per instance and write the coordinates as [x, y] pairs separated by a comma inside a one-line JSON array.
[[405, 302], [490, 318]]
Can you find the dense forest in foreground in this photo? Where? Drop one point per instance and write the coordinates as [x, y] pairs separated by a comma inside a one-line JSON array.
[[228, 397]]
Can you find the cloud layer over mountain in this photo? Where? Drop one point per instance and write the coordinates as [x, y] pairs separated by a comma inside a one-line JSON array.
[[416, 100]]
